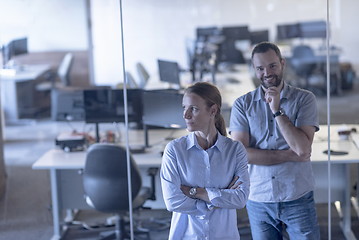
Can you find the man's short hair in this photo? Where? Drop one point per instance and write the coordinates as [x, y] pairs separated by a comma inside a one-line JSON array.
[[264, 47]]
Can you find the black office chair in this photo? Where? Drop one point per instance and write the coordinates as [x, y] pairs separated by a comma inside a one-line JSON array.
[[106, 186]]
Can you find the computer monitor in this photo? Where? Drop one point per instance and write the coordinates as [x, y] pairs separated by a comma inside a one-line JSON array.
[[163, 108], [67, 105], [236, 33], [19, 46], [169, 72], [107, 105], [14, 48], [228, 51], [259, 36], [313, 29], [288, 31], [204, 33]]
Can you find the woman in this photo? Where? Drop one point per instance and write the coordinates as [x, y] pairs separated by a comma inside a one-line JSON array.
[[204, 175]]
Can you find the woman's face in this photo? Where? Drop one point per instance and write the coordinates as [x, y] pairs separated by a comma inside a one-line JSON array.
[[197, 115]]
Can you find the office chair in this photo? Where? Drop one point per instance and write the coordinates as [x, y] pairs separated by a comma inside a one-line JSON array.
[[131, 83], [303, 62], [60, 78], [106, 186], [143, 75], [64, 69], [130, 80]]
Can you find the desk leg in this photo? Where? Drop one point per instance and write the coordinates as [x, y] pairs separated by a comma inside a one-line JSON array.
[[355, 205], [55, 205], [356, 198], [345, 224]]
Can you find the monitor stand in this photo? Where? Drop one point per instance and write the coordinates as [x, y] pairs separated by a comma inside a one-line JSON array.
[[145, 131], [97, 132]]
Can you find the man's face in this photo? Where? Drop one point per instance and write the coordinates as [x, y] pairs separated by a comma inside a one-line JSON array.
[[268, 68]]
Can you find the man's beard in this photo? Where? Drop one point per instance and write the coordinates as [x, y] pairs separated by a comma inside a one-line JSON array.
[[278, 80]]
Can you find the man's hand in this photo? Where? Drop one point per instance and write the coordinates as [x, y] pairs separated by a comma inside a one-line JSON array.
[[292, 156], [234, 184], [272, 96]]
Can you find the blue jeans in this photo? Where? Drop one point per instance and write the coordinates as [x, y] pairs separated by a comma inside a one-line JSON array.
[[299, 218]]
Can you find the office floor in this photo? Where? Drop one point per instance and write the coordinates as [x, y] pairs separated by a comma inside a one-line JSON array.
[[25, 212]]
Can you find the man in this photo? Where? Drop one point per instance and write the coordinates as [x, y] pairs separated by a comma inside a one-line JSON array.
[[276, 123]]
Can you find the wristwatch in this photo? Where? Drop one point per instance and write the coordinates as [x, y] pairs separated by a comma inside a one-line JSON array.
[[193, 191], [280, 112]]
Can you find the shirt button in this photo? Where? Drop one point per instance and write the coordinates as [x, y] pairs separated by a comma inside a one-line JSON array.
[[273, 177], [271, 135]]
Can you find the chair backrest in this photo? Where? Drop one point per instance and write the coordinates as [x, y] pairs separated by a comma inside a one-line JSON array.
[[303, 60], [130, 80], [303, 51], [105, 177], [143, 75], [64, 69]]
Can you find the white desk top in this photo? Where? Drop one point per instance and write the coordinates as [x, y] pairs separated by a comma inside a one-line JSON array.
[[341, 145], [58, 159], [320, 144], [322, 134], [23, 73]]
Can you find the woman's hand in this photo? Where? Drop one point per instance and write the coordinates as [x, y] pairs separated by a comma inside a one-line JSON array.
[[201, 193], [185, 190]]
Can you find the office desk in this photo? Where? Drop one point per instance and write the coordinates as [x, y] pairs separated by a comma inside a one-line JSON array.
[[67, 191], [231, 84], [340, 181], [66, 180], [18, 94]]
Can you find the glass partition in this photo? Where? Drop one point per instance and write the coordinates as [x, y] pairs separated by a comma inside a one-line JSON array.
[[212, 41]]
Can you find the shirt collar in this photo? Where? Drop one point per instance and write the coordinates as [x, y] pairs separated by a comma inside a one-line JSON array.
[[286, 91], [192, 142]]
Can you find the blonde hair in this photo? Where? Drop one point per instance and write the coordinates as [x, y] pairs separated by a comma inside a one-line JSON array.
[[211, 95]]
